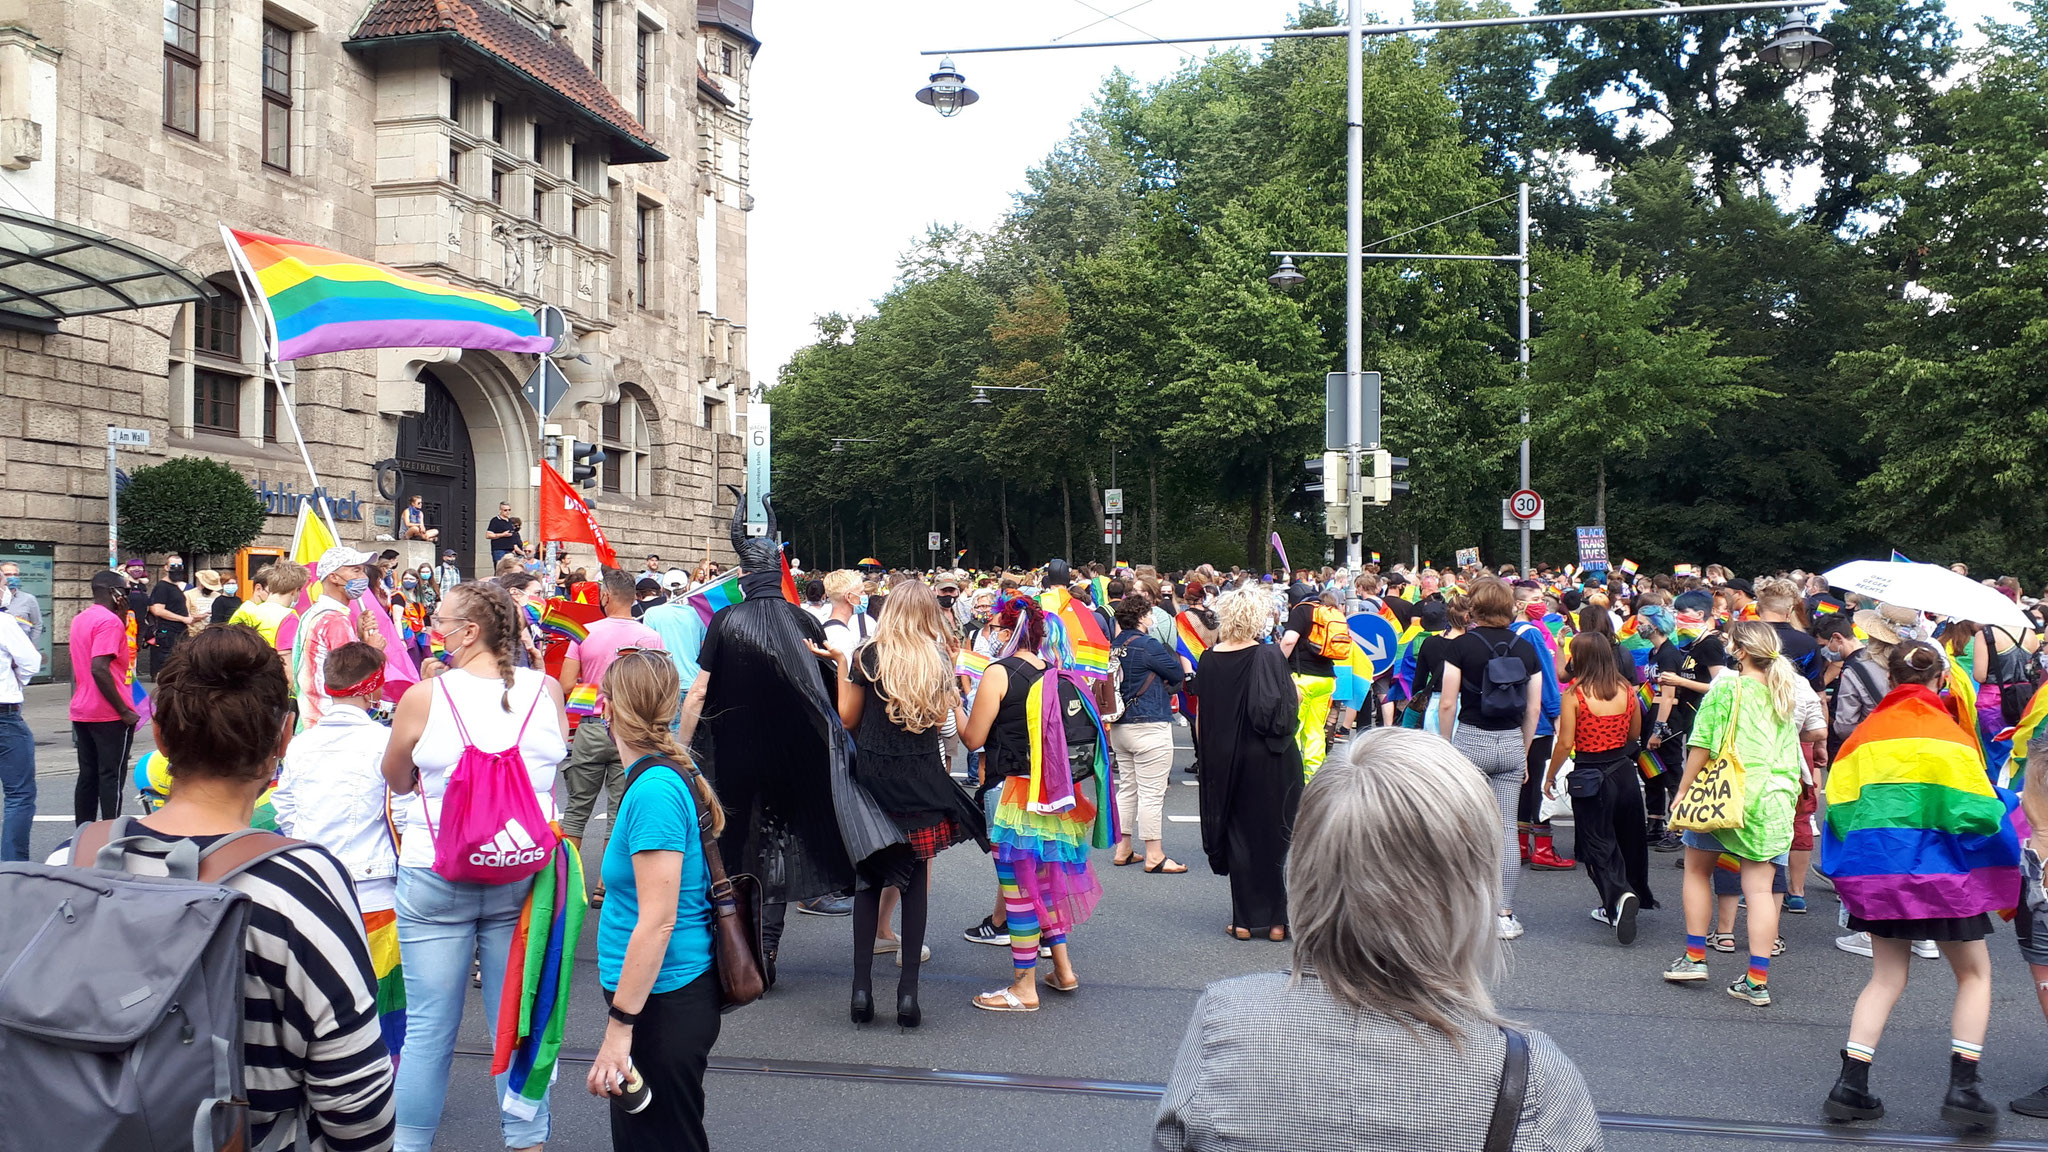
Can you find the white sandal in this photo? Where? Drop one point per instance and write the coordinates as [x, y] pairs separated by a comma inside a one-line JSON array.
[[1009, 1002]]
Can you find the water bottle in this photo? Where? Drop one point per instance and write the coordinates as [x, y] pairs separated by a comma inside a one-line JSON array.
[[635, 1094]]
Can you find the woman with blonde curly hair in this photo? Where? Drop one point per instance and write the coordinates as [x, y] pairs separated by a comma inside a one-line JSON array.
[[1251, 766], [899, 697], [1754, 713]]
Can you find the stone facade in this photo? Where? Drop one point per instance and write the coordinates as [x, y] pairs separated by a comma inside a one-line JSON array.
[[433, 153]]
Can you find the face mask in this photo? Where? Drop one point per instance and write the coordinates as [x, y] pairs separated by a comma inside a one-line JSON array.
[[947, 601], [358, 586], [861, 605], [227, 589], [14, 582], [1830, 655], [177, 572], [440, 639], [411, 583]]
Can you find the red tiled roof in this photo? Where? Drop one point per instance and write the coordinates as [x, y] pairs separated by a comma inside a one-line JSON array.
[[544, 60], [709, 87]]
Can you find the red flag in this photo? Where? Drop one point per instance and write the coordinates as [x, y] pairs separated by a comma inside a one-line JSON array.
[[789, 592], [564, 516]]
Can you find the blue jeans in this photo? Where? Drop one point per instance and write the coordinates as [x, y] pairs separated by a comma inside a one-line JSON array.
[[18, 782], [441, 925]]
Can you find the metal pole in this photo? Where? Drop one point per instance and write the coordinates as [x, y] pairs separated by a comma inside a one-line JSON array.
[[1117, 520], [113, 508], [1354, 178], [1523, 370]]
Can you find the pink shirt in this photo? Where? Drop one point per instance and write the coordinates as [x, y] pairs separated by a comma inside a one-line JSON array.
[[96, 632], [596, 652]]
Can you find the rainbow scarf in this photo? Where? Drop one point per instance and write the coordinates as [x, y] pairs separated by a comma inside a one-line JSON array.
[[382, 929], [534, 1007], [1915, 827], [1187, 637]]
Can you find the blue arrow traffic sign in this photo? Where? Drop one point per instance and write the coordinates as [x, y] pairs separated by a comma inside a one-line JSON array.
[[1374, 636]]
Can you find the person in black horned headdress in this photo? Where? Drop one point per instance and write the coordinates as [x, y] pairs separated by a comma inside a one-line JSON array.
[[771, 742]]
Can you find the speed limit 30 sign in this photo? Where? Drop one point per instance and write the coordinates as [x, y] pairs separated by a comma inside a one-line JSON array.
[[1525, 504]]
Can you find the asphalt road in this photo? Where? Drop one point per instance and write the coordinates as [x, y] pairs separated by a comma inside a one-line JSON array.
[[1672, 1067]]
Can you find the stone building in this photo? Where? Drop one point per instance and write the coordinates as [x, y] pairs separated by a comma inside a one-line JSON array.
[[588, 154]]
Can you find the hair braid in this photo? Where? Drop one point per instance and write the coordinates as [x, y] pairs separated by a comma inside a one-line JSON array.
[[490, 608]]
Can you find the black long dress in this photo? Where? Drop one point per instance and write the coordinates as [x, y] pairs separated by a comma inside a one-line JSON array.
[[1251, 778]]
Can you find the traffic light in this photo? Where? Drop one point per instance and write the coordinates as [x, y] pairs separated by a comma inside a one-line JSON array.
[[583, 461], [1382, 487], [1334, 470]]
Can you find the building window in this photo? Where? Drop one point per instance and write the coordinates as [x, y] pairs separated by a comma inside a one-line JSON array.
[[643, 245], [627, 448], [277, 96], [269, 411], [711, 407], [497, 185], [725, 59], [597, 38], [216, 402], [497, 122], [181, 66], [218, 326], [455, 100], [540, 143], [539, 201], [643, 44], [576, 221], [455, 167]]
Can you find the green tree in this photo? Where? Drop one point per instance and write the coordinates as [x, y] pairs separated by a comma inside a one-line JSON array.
[[1607, 377], [189, 504]]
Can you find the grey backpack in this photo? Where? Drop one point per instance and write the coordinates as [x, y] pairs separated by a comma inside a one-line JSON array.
[[121, 996]]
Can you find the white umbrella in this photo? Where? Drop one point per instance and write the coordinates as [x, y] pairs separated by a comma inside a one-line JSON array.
[[1932, 589]]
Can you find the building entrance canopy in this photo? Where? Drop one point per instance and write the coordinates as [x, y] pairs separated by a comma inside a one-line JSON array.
[[51, 271]]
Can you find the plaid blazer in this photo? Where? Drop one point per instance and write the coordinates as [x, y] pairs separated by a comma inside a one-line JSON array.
[[1269, 1066]]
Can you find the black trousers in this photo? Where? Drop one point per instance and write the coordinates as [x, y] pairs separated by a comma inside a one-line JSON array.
[[1610, 838], [102, 755], [1531, 803], [671, 1046]]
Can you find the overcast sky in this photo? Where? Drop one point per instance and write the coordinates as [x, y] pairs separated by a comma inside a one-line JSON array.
[[849, 169]]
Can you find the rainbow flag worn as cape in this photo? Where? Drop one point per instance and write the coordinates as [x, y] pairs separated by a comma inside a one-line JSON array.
[[1187, 638], [2020, 734], [1354, 678], [326, 301], [1075, 631], [1962, 689], [1915, 827], [534, 1007], [718, 594], [1407, 647]]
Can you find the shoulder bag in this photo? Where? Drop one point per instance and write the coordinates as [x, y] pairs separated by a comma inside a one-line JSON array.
[[736, 950], [1720, 789], [1514, 1089]]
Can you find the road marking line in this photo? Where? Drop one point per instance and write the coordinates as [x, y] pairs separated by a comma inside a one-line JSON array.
[[1185, 819]]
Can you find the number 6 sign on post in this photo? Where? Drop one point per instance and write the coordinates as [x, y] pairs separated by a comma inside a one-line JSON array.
[[758, 472]]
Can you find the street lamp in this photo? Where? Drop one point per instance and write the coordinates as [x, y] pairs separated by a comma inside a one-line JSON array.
[[1796, 46], [981, 391], [839, 443], [1287, 277], [948, 91]]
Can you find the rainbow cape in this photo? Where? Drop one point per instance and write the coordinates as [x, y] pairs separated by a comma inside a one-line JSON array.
[[1915, 827], [320, 300], [1075, 632], [718, 594], [1187, 638], [534, 1007], [568, 619]]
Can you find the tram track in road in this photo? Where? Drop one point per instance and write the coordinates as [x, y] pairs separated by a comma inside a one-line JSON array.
[[1700, 1127]]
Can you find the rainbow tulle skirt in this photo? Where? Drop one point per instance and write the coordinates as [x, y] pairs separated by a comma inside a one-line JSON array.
[[1049, 852]]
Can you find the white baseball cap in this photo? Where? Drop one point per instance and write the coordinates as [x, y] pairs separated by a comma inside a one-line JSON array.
[[339, 557], [675, 578]]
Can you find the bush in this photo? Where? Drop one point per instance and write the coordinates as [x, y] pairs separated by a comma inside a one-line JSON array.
[[193, 505]]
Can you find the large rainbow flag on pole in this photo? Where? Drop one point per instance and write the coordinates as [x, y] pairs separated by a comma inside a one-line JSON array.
[[319, 300], [1915, 828]]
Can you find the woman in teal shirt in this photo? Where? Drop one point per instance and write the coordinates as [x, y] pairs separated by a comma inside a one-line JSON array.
[[654, 933]]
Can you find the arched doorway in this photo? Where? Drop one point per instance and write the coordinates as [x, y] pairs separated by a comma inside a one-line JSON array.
[[435, 462]]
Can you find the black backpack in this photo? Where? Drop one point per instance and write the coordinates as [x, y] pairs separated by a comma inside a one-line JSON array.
[[1503, 692]]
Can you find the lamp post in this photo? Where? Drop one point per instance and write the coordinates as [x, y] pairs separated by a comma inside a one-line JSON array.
[[839, 443], [1796, 46], [981, 391]]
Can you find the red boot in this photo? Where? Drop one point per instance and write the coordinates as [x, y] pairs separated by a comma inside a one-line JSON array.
[[1525, 849], [1544, 857]]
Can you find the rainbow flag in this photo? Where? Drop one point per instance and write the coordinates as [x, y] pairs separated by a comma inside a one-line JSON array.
[[969, 663], [1354, 678], [2020, 734], [534, 1007], [1962, 692], [1187, 638], [1915, 827], [1407, 647], [139, 699], [568, 619], [1088, 646], [716, 595], [382, 929], [1100, 585], [320, 300], [583, 700], [1648, 764]]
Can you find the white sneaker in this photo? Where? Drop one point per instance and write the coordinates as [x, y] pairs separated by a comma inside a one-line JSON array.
[[1509, 927], [1855, 943], [1600, 915], [1926, 950]]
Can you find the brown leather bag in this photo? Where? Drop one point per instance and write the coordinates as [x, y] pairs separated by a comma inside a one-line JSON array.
[[736, 950]]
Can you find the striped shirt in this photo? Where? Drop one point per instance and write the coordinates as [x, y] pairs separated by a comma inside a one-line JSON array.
[[312, 1045]]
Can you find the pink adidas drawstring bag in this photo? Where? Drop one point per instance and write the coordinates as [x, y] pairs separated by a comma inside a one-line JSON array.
[[492, 830]]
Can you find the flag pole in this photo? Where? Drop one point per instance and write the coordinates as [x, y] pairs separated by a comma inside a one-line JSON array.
[[252, 291]]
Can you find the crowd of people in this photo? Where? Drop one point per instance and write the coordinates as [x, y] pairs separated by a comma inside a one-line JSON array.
[[1372, 808]]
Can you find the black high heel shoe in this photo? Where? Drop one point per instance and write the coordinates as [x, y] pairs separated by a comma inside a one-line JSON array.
[[907, 1013], [863, 1009]]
